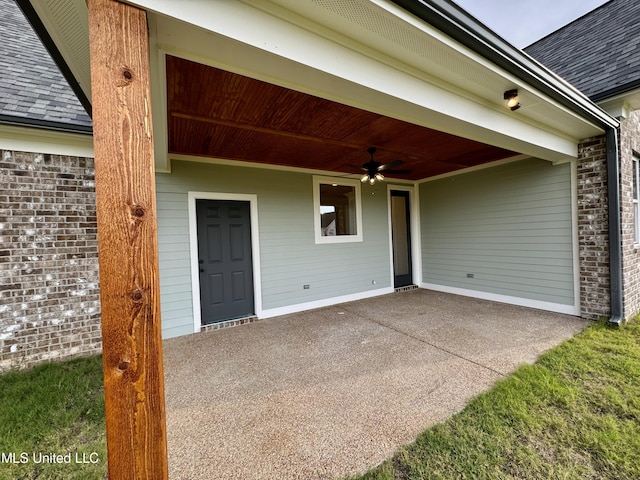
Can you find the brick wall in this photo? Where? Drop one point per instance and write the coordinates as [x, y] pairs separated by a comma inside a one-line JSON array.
[[629, 142], [49, 301], [593, 225]]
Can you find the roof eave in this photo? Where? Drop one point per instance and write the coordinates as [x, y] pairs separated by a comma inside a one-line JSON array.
[[46, 124], [616, 91], [58, 58], [462, 27]]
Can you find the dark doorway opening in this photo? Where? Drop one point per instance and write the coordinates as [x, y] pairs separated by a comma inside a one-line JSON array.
[[401, 238]]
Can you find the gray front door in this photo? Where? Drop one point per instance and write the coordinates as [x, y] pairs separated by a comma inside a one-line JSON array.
[[226, 267]]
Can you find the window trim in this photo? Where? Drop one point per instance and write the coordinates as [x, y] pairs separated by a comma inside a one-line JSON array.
[[317, 223]]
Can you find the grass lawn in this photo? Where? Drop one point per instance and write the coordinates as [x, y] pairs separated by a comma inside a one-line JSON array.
[[575, 414], [54, 408]]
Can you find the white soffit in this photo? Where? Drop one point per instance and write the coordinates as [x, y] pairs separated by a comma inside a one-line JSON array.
[[620, 105], [66, 22]]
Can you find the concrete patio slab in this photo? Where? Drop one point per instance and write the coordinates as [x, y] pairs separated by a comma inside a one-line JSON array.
[[335, 391]]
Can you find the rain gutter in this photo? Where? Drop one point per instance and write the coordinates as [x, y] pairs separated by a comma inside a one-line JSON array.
[[615, 236]]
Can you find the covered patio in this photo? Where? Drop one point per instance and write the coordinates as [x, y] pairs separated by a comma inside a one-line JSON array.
[[335, 391], [260, 108]]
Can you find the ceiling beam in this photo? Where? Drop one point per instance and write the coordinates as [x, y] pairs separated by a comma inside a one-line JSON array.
[[272, 131]]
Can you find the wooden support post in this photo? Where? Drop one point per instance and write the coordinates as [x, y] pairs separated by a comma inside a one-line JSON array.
[[127, 241]]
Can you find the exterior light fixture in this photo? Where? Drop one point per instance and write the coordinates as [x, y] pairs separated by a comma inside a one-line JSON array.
[[511, 97]]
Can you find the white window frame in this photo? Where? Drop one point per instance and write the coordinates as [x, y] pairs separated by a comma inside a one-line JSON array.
[[635, 195], [317, 221]]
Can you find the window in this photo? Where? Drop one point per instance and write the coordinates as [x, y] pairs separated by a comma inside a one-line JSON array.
[[337, 210], [636, 200]]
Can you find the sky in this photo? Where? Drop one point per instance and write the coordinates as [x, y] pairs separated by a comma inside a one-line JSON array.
[[522, 22]]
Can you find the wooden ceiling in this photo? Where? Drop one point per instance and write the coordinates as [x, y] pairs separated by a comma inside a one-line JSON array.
[[215, 113]]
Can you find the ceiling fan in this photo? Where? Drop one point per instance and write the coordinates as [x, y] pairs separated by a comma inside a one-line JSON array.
[[373, 169]]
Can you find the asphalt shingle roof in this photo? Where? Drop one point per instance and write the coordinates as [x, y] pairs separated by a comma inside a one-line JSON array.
[[31, 85], [599, 53]]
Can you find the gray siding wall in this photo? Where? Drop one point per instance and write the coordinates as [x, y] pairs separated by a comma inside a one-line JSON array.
[[288, 253], [510, 226]]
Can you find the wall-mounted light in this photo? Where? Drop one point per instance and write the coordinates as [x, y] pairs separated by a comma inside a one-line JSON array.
[[511, 97]]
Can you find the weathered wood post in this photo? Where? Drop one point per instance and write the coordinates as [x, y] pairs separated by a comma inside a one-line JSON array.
[[127, 241]]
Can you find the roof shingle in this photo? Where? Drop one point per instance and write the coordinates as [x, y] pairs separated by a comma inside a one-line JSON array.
[[597, 53], [31, 85]]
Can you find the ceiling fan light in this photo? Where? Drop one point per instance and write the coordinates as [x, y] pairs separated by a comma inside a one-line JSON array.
[[364, 178], [372, 180], [379, 177]]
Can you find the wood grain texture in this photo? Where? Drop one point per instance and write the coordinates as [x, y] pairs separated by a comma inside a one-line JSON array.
[[219, 114], [127, 239]]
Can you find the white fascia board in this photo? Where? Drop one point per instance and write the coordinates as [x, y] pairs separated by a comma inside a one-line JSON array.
[[278, 51], [36, 140]]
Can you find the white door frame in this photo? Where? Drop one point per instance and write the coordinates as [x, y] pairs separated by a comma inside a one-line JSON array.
[[193, 249], [416, 248]]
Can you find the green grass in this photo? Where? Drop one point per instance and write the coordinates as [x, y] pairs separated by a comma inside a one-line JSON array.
[[575, 414], [54, 408]]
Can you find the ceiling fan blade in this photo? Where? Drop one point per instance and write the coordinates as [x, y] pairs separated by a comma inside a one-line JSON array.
[[397, 171], [355, 167], [389, 165]]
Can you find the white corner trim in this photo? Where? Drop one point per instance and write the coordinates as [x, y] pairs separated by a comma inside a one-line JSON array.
[[193, 249], [327, 302], [495, 297], [158, 65]]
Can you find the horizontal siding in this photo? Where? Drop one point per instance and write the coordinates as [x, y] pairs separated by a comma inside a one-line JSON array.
[[174, 260], [289, 256], [177, 331], [510, 226]]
